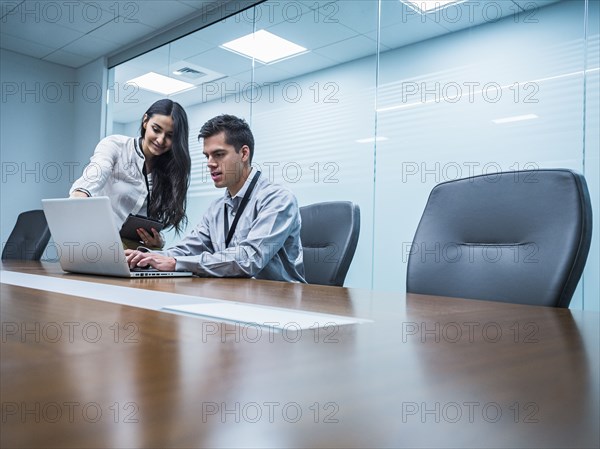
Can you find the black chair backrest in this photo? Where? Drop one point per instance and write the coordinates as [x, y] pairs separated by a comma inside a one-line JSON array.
[[28, 238], [329, 236], [520, 237]]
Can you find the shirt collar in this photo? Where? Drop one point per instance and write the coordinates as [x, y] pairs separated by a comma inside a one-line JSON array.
[[235, 200], [138, 147]]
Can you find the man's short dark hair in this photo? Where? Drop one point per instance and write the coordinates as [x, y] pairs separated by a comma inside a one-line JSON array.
[[237, 132]]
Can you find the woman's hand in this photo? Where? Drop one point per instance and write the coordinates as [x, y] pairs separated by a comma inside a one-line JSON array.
[[153, 240]]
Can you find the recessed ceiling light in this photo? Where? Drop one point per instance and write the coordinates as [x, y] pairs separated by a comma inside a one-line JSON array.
[[428, 6], [161, 84], [263, 46], [516, 118], [372, 139]]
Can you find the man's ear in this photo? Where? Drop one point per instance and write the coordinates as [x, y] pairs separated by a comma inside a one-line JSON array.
[[245, 152]]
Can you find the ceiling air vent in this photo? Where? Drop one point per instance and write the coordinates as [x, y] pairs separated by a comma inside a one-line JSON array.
[[188, 72]]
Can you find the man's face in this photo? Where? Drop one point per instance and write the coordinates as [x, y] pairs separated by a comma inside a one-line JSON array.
[[226, 166]]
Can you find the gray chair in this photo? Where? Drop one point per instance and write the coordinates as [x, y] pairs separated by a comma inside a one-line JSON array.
[[329, 236], [28, 238], [519, 237]]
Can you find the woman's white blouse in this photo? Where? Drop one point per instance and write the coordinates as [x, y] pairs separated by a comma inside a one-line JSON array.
[[115, 170]]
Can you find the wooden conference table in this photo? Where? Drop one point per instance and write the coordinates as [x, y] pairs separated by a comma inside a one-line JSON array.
[[426, 372]]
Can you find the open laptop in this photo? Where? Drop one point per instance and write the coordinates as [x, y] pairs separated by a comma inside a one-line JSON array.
[[87, 239]]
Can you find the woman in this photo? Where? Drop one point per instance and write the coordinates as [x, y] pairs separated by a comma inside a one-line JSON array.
[[144, 176]]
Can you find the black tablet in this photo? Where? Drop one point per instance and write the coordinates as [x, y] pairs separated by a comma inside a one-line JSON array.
[[133, 222]]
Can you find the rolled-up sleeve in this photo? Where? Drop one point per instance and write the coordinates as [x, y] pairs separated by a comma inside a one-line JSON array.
[[196, 242]]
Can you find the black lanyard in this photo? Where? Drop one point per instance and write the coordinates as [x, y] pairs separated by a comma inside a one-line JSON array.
[[229, 232], [148, 189], [145, 179]]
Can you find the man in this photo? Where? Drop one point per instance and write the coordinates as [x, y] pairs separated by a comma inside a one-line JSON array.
[[259, 239]]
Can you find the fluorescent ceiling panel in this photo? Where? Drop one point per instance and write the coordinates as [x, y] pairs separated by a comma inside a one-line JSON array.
[[428, 6], [516, 118], [263, 46], [161, 84]]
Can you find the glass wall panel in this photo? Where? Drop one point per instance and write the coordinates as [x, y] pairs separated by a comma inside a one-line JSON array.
[[386, 102], [497, 86], [591, 160], [314, 123], [312, 114]]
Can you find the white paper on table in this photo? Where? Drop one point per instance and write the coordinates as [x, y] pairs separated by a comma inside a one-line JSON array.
[[265, 316]]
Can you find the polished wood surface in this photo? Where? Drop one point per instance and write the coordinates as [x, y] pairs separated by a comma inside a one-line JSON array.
[[427, 372]]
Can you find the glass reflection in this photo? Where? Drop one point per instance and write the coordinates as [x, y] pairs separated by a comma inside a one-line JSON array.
[[386, 102]]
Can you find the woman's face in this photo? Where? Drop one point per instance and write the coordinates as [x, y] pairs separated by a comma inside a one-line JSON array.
[[158, 138]]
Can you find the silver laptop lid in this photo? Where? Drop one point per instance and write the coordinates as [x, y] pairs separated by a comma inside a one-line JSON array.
[[87, 240], [85, 235]]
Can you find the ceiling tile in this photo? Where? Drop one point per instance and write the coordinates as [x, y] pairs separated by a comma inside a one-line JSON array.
[[349, 49], [187, 47], [122, 33], [68, 59], [225, 31], [77, 16], [274, 12], [91, 46], [222, 61], [359, 15], [305, 63], [310, 33], [50, 34], [157, 13], [24, 46], [150, 61]]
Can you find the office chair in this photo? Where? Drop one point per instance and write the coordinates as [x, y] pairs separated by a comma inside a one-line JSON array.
[[28, 238], [329, 236], [519, 237]]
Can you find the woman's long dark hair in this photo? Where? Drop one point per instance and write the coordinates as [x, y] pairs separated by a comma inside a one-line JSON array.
[[171, 170]]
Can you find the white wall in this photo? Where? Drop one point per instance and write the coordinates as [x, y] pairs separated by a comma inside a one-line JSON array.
[[129, 129], [90, 108], [51, 120], [36, 134]]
